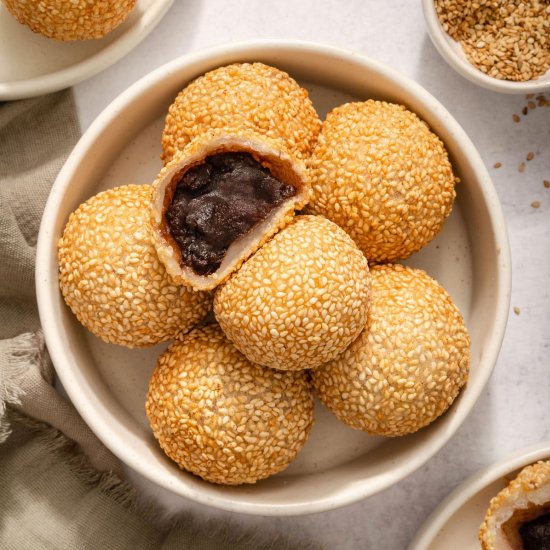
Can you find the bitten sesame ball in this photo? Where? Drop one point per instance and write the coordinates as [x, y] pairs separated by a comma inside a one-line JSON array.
[[381, 174], [69, 20], [300, 300], [252, 96], [112, 279], [407, 366], [221, 417], [519, 516]]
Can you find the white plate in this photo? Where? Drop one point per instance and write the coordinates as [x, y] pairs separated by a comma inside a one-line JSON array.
[[454, 55], [32, 65], [108, 383], [456, 521]]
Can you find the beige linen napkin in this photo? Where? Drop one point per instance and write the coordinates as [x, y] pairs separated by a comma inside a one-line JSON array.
[[60, 488]]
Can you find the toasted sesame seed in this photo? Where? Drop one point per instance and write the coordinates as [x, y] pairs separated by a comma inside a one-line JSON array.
[[525, 110], [516, 118], [530, 156], [546, 184], [407, 366], [535, 204], [69, 19], [497, 165], [505, 40], [232, 437], [517, 310], [521, 167]]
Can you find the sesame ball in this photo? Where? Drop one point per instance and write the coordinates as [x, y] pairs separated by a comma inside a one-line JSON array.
[[222, 418], [252, 96], [300, 300], [381, 174], [69, 20], [112, 279], [519, 516], [407, 366]]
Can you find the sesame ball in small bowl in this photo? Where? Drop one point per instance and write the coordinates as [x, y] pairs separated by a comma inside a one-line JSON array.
[[502, 46]]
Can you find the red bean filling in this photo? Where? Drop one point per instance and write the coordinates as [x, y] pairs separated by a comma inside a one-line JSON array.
[[535, 534], [217, 202]]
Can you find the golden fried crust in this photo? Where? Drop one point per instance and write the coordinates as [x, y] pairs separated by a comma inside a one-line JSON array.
[[112, 279], [381, 174], [243, 96], [69, 19], [525, 498], [409, 363], [222, 418], [282, 166], [300, 300]]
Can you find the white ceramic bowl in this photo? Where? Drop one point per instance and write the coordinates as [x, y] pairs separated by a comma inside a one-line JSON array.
[[456, 521], [107, 383], [453, 54]]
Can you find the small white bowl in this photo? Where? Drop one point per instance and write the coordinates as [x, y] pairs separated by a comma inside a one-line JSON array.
[[108, 383], [456, 521], [453, 54]]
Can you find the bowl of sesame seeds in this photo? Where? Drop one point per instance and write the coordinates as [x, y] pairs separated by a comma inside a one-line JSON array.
[[499, 45], [109, 383]]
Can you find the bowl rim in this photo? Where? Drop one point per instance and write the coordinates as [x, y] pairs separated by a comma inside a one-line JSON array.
[[471, 486], [46, 296], [91, 65], [462, 66]]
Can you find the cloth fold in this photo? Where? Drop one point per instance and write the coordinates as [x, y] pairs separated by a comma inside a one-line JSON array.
[[60, 488]]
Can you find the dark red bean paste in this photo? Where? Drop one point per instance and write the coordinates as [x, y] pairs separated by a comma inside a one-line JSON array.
[[535, 534], [219, 201]]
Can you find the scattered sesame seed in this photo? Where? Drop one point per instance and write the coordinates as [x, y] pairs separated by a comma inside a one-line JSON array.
[[498, 164], [546, 184], [525, 110], [535, 204], [529, 96], [517, 311], [516, 118], [530, 156], [521, 167], [531, 105]]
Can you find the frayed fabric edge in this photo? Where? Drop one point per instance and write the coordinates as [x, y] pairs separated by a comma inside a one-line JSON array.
[[17, 355]]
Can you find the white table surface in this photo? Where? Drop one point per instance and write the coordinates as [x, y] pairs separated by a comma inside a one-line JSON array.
[[513, 411]]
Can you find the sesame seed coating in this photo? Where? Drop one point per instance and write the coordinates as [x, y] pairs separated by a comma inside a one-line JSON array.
[[525, 498], [381, 174], [300, 300], [112, 279], [409, 363], [69, 20], [244, 95], [220, 417]]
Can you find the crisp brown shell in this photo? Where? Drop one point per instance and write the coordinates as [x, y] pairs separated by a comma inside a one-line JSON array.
[[68, 20], [407, 366], [300, 300], [282, 166], [243, 96], [221, 417], [380, 173], [112, 279], [524, 499]]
